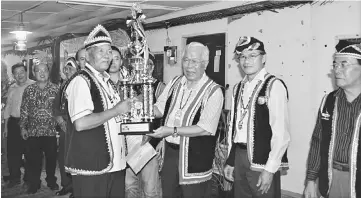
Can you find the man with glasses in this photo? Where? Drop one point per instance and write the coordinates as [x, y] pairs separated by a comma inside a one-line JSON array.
[[95, 153], [15, 143], [191, 107], [259, 127], [335, 155]]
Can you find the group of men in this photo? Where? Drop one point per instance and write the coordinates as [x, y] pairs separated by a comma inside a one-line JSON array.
[[94, 155]]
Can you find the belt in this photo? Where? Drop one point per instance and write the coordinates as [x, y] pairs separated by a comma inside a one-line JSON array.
[[340, 166], [242, 145], [173, 146]]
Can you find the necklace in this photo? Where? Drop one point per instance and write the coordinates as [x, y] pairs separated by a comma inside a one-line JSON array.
[[244, 110], [178, 114]]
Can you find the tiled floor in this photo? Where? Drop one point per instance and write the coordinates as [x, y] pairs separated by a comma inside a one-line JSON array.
[[20, 192]]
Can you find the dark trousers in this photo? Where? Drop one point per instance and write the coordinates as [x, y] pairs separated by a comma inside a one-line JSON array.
[[245, 179], [66, 181], [107, 185], [15, 149], [170, 179], [36, 147]]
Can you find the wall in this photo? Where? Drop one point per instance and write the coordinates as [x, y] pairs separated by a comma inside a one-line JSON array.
[[299, 42]]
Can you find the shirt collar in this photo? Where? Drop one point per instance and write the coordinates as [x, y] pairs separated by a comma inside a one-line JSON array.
[[199, 83], [259, 77], [102, 76]]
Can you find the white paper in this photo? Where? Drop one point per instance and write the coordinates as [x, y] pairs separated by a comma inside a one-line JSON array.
[[216, 63], [138, 155]]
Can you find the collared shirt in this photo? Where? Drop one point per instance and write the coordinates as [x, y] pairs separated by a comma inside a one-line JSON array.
[[80, 104], [208, 119], [278, 119], [345, 126], [36, 113], [13, 101]]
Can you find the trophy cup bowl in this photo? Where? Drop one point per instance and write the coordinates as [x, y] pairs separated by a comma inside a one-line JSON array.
[[140, 85]]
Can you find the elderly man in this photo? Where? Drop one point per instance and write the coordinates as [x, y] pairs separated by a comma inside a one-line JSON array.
[[335, 154], [259, 127], [80, 57], [70, 68], [38, 128], [15, 143], [146, 182], [96, 153], [191, 107]]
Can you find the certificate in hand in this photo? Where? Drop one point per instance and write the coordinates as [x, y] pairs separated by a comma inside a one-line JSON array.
[[138, 155]]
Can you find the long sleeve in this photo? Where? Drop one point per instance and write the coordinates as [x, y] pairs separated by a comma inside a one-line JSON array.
[[314, 156], [24, 110], [279, 121], [7, 109], [231, 146]]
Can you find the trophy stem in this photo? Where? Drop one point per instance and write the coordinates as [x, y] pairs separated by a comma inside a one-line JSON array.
[[151, 110], [145, 101]]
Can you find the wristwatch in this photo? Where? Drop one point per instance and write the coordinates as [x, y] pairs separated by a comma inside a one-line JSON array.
[[175, 132]]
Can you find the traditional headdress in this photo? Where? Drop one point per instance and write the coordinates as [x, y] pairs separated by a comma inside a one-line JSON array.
[[248, 43], [72, 62], [98, 36], [347, 49]]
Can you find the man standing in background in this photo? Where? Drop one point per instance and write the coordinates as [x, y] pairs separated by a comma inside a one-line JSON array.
[[15, 143]]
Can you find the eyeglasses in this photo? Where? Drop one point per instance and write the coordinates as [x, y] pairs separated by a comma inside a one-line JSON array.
[[342, 65], [192, 62], [250, 57]]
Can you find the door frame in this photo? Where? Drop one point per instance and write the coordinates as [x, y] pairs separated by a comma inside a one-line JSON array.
[[184, 42]]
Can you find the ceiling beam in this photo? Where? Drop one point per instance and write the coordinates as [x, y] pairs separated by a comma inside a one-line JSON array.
[[31, 7], [116, 4], [7, 10]]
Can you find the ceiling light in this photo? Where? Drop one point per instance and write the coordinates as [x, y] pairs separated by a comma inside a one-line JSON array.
[[20, 35]]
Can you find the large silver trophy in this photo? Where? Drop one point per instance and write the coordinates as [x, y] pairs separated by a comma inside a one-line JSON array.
[[138, 81]]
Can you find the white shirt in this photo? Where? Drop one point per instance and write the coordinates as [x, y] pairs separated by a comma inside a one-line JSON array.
[[210, 116], [80, 104], [278, 119]]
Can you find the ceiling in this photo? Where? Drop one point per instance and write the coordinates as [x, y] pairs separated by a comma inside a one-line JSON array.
[[49, 19]]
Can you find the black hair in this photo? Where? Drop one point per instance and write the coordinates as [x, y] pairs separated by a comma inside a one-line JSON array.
[[17, 65], [359, 61], [116, 49], [77, 53]]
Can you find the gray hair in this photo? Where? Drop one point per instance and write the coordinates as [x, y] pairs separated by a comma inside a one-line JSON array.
[[205, 50]]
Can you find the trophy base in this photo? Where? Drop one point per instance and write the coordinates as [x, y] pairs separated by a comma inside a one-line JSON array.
[[136, 128]]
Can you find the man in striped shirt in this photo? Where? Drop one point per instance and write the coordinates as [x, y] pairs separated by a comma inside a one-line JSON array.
[[335, 157]]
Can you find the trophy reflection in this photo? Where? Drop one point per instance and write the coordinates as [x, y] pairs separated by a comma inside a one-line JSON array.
[[138, 82]]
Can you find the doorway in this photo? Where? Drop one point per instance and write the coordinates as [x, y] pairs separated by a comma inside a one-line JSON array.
[[216, 46]]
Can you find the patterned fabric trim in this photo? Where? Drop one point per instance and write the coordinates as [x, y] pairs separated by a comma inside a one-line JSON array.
[[106, 128], [184, 176], [354, 153]]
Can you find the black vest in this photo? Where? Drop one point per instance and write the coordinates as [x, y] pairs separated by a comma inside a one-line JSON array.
[[88, 151], [326, 160]]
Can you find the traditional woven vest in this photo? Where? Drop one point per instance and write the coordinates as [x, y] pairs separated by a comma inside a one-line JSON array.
[[259, 130], [196, 154], [329, 118], [89, 152]]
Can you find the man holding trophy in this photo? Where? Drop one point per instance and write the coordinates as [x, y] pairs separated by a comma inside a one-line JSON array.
[[96, 153], [191, 107]]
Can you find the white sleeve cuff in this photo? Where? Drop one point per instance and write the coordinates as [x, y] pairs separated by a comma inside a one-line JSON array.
[[80, 115], [272, 166]]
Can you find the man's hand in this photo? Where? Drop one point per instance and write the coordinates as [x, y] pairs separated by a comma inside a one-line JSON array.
[[265, 181], [63, 126], [310, 190], [5, 133], [159, 150], [24, 134], [161, 132], [228, 172], [124, 106]]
